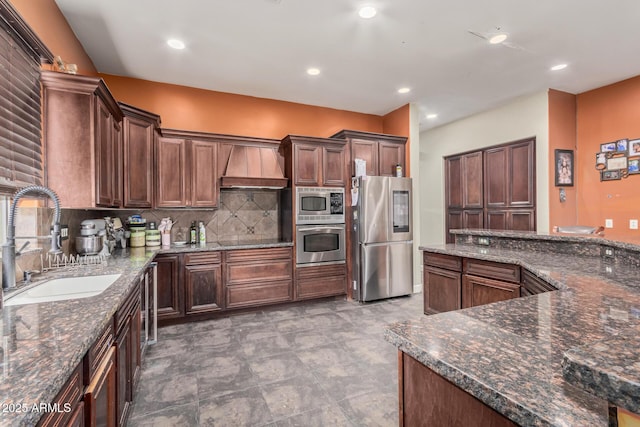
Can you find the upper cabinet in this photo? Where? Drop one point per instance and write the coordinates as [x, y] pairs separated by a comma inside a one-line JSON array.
[[464, 179], [381, 152], [509, 175], [314, 162], [140, 131], [186, 173], [82, 134]]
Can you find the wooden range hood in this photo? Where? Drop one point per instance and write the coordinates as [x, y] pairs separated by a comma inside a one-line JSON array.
[[253, 167]]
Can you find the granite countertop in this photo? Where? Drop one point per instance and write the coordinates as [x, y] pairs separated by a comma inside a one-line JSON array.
[[511, 354], [43, 343]]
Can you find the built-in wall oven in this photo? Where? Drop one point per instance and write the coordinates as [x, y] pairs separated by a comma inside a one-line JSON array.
[[320, 243]]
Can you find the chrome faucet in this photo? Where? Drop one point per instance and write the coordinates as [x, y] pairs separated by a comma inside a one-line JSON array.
[[9, 247]]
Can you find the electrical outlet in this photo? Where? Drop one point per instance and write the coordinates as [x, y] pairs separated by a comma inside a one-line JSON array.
[[608, 223], [607, 252], [633, 224], [484, 241]]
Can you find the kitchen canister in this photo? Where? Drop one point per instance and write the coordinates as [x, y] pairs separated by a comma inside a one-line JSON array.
[[153, 235], [138, 236]]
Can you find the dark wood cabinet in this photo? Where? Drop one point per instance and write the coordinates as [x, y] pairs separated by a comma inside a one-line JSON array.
[[123, 354], [492, 188], [139, 133], [186, 173], [321, 281], [203, 283], [428, 399], [100, 394], [255, 277], [532, 284], [82, 140], [480, 290], [441, 279], [70, 394], [314, 162], [381, 152], [170, 297]]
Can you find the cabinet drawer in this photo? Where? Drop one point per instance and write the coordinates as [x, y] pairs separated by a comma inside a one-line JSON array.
[[322, 271], [127, 308], [97, 351], [492, 270], [247, 272], [316, 287], [448, 262], [241, 255], [255, 294], [202, 258], [535, 285], [70, 394]]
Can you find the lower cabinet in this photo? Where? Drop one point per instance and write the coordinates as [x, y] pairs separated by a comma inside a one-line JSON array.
[[427, 399], [70, 396], [202, 283], [480, 290], [321, 281], [441, 291], [169, 294], [255, 277], [100, 394]]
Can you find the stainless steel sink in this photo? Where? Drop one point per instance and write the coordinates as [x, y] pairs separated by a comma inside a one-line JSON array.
[[63, 289]]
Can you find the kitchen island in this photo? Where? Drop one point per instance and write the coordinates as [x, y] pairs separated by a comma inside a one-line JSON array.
[[534, 360], [44, 343]]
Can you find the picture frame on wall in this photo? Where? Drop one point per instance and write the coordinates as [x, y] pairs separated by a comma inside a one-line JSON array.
[[634, 165], [608, 146], [564, 168], [610, 175], [621, 144], [614, 163], [634, 147]]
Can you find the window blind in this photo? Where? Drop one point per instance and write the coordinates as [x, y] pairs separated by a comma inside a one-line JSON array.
[[20, 113]]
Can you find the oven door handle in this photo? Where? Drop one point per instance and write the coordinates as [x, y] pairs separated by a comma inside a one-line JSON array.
[[323, 228]]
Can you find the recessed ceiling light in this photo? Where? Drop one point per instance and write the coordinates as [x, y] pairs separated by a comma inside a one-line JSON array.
[[558, 67], [404, 90], [367, 12], [431, 116], [175, 43], [497, 39], [313, 71]]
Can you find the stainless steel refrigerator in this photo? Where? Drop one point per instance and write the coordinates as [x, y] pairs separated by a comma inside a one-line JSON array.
[[382, 237]]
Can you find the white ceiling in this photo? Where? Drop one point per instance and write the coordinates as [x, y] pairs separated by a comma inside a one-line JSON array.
[[262, 48]]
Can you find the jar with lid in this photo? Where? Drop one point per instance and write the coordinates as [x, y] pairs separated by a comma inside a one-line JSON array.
[[152, 235]]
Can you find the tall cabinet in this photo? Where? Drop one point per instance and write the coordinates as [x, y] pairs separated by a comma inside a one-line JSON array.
[[493, 188], [382, 152]]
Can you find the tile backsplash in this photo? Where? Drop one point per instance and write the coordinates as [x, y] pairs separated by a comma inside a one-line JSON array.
[[242, 215]]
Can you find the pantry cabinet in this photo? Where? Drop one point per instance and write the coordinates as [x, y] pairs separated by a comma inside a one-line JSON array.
[[82, 141], [140, 131], [381, 152], [186, 173], [314, 162]]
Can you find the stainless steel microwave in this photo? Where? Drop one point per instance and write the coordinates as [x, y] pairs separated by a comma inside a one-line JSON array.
[[319, 205]]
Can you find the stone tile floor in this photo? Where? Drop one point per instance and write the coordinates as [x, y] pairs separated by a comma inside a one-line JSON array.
[[319, 364]]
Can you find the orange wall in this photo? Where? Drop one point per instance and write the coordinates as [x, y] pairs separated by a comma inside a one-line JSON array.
[[188, 108], [397, 122], [45, 18], [562, 135], [603, 115]]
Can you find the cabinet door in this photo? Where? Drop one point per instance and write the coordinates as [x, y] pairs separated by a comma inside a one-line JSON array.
[[523, 220], [123, 371], [496, 177], [497, 219], [321, 281], [521, 174], [454, 222], [138, 140], [333, 167], [472, 219], [453, 182], [390, 155], [104, 155], [472, 194], [77, 417], [203, 288], [367, 151], [171, 171], [441, 290], [169, 297], [307, 164], [117, 171], [204, 174], [480, 290], [100, 395], [136, 357]]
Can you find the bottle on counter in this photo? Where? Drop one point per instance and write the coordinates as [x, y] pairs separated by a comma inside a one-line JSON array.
[[193, 233], [202, 234], [399, 170]]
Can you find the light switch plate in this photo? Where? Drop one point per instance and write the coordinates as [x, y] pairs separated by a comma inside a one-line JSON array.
[[633, 224], [608, 223]]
